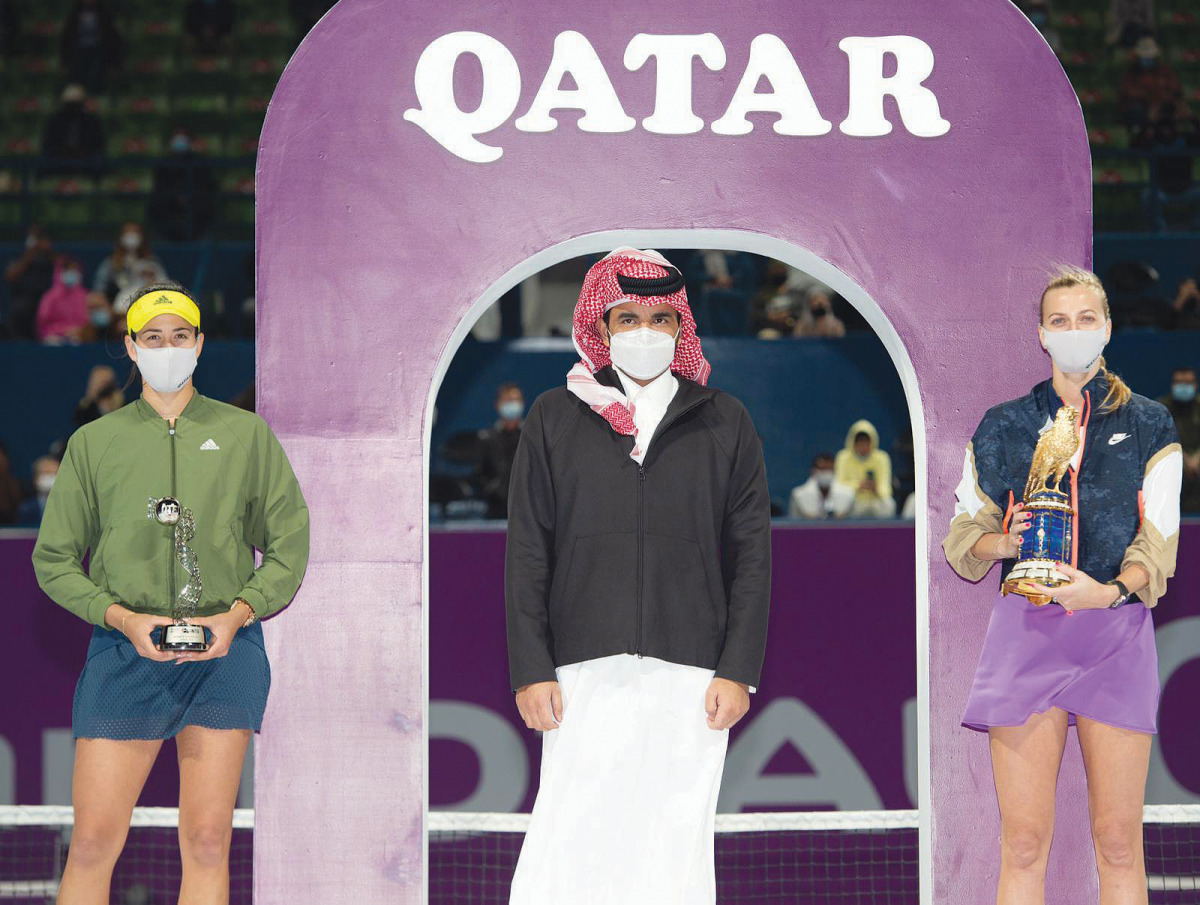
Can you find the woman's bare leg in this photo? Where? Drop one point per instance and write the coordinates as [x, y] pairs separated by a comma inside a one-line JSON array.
[[1116, 761], [108, 778], [1025, 762], [210, 768]]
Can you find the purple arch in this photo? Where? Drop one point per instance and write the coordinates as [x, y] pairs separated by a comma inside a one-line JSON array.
[[375, 242]]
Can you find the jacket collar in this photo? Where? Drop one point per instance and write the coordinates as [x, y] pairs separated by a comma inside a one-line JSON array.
[[191, 410], [689, 395], [1046, 402]]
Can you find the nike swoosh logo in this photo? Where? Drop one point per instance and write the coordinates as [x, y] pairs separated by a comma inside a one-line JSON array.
[[1117, 438]]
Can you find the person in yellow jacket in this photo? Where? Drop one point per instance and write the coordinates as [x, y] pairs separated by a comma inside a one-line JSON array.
[[125, 480], [867, 470]]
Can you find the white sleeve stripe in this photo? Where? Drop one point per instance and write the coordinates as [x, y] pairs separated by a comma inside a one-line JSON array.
[[969, 499], [1160, 493]]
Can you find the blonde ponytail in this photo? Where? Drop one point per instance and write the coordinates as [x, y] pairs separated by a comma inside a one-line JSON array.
[[1065, 278]]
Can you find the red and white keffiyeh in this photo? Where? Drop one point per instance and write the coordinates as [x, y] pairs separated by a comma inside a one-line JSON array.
[[602, 290]]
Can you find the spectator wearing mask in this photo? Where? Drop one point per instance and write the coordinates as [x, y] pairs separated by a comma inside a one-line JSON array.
[[1149, 87], [45, 469], [10, 489], [73, 137], [103, 396], [818, 318], [1185, 410], [182, 201], [124, 270], [29, 277], [91, 45], [1039, 15], [1176, 141], [499, 449], [1185, 310], [63, 310], [208, 25], [777, 317], [866, 469], [821, 497]]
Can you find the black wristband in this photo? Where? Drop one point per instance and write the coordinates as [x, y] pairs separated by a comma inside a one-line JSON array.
[[1122, 593]]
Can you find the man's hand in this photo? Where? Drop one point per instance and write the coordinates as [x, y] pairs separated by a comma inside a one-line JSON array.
[[726, 702], [540, 705]]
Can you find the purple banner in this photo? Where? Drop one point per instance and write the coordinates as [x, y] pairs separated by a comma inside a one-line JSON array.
[[832, 726]]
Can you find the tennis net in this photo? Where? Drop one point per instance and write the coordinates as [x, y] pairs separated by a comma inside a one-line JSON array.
[[845, 857]]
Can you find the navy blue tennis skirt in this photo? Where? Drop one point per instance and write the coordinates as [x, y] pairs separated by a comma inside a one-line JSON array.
[[122, 695]]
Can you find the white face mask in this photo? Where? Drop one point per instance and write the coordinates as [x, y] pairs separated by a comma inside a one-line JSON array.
[[642, 353], [44, 483], [824, 478], [1075, 351], [167, 369], [131, 241]]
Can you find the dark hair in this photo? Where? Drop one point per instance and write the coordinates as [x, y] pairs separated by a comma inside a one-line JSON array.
[[160, 286], [862, 435], [1183, 369], [822, 457], [508, 387]]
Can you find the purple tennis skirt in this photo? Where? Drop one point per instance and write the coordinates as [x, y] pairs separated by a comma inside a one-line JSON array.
[[1099, 664]]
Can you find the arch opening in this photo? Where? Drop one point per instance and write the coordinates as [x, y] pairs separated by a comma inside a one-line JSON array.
[[876, 318]]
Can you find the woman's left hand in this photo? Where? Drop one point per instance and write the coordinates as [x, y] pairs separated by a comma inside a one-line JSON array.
[[1082, 593], [223, 627]]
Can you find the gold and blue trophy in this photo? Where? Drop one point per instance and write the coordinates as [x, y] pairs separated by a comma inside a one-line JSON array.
[[1047, 543], [182, 635]]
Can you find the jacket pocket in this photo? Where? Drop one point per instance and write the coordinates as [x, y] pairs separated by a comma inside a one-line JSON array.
[[678, 602], [594, 604], [131, 561]]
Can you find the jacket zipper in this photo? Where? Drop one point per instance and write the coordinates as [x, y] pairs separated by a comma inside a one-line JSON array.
[[641, 530], [1087, 412], [171, 535], [641, 556]]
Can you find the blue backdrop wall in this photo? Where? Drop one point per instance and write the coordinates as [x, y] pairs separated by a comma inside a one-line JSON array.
[[803, 394]]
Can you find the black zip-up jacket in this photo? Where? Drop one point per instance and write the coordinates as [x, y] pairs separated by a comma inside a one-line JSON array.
[[668, 559]]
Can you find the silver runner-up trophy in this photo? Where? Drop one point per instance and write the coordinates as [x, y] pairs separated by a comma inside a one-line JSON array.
[[182, 636]]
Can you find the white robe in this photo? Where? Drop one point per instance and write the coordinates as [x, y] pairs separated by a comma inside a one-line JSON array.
[[628, 791]]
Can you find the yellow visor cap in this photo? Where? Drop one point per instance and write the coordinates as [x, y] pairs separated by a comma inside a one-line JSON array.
[[165, 301]]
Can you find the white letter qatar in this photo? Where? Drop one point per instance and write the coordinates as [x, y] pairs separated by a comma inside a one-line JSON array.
[[458, 131]]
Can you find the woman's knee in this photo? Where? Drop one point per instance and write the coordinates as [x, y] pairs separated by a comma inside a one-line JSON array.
[[96, 845], [1025, 843], [205, 842], [1117, 842]]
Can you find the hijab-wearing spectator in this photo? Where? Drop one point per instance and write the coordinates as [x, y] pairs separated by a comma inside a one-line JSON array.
[[867, 469], [63, 311], [126, 267], [73, 137], [817, 318], [28, 278], [91, 45]]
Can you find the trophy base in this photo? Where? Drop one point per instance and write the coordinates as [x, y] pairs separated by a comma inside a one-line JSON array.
[[182, 637], [1026, 574]]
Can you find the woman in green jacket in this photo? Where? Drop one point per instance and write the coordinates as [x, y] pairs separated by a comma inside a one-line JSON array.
[[127, 482]]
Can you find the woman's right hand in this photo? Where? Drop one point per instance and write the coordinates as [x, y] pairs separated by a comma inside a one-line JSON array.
[[1009, 544], [137, 628]]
